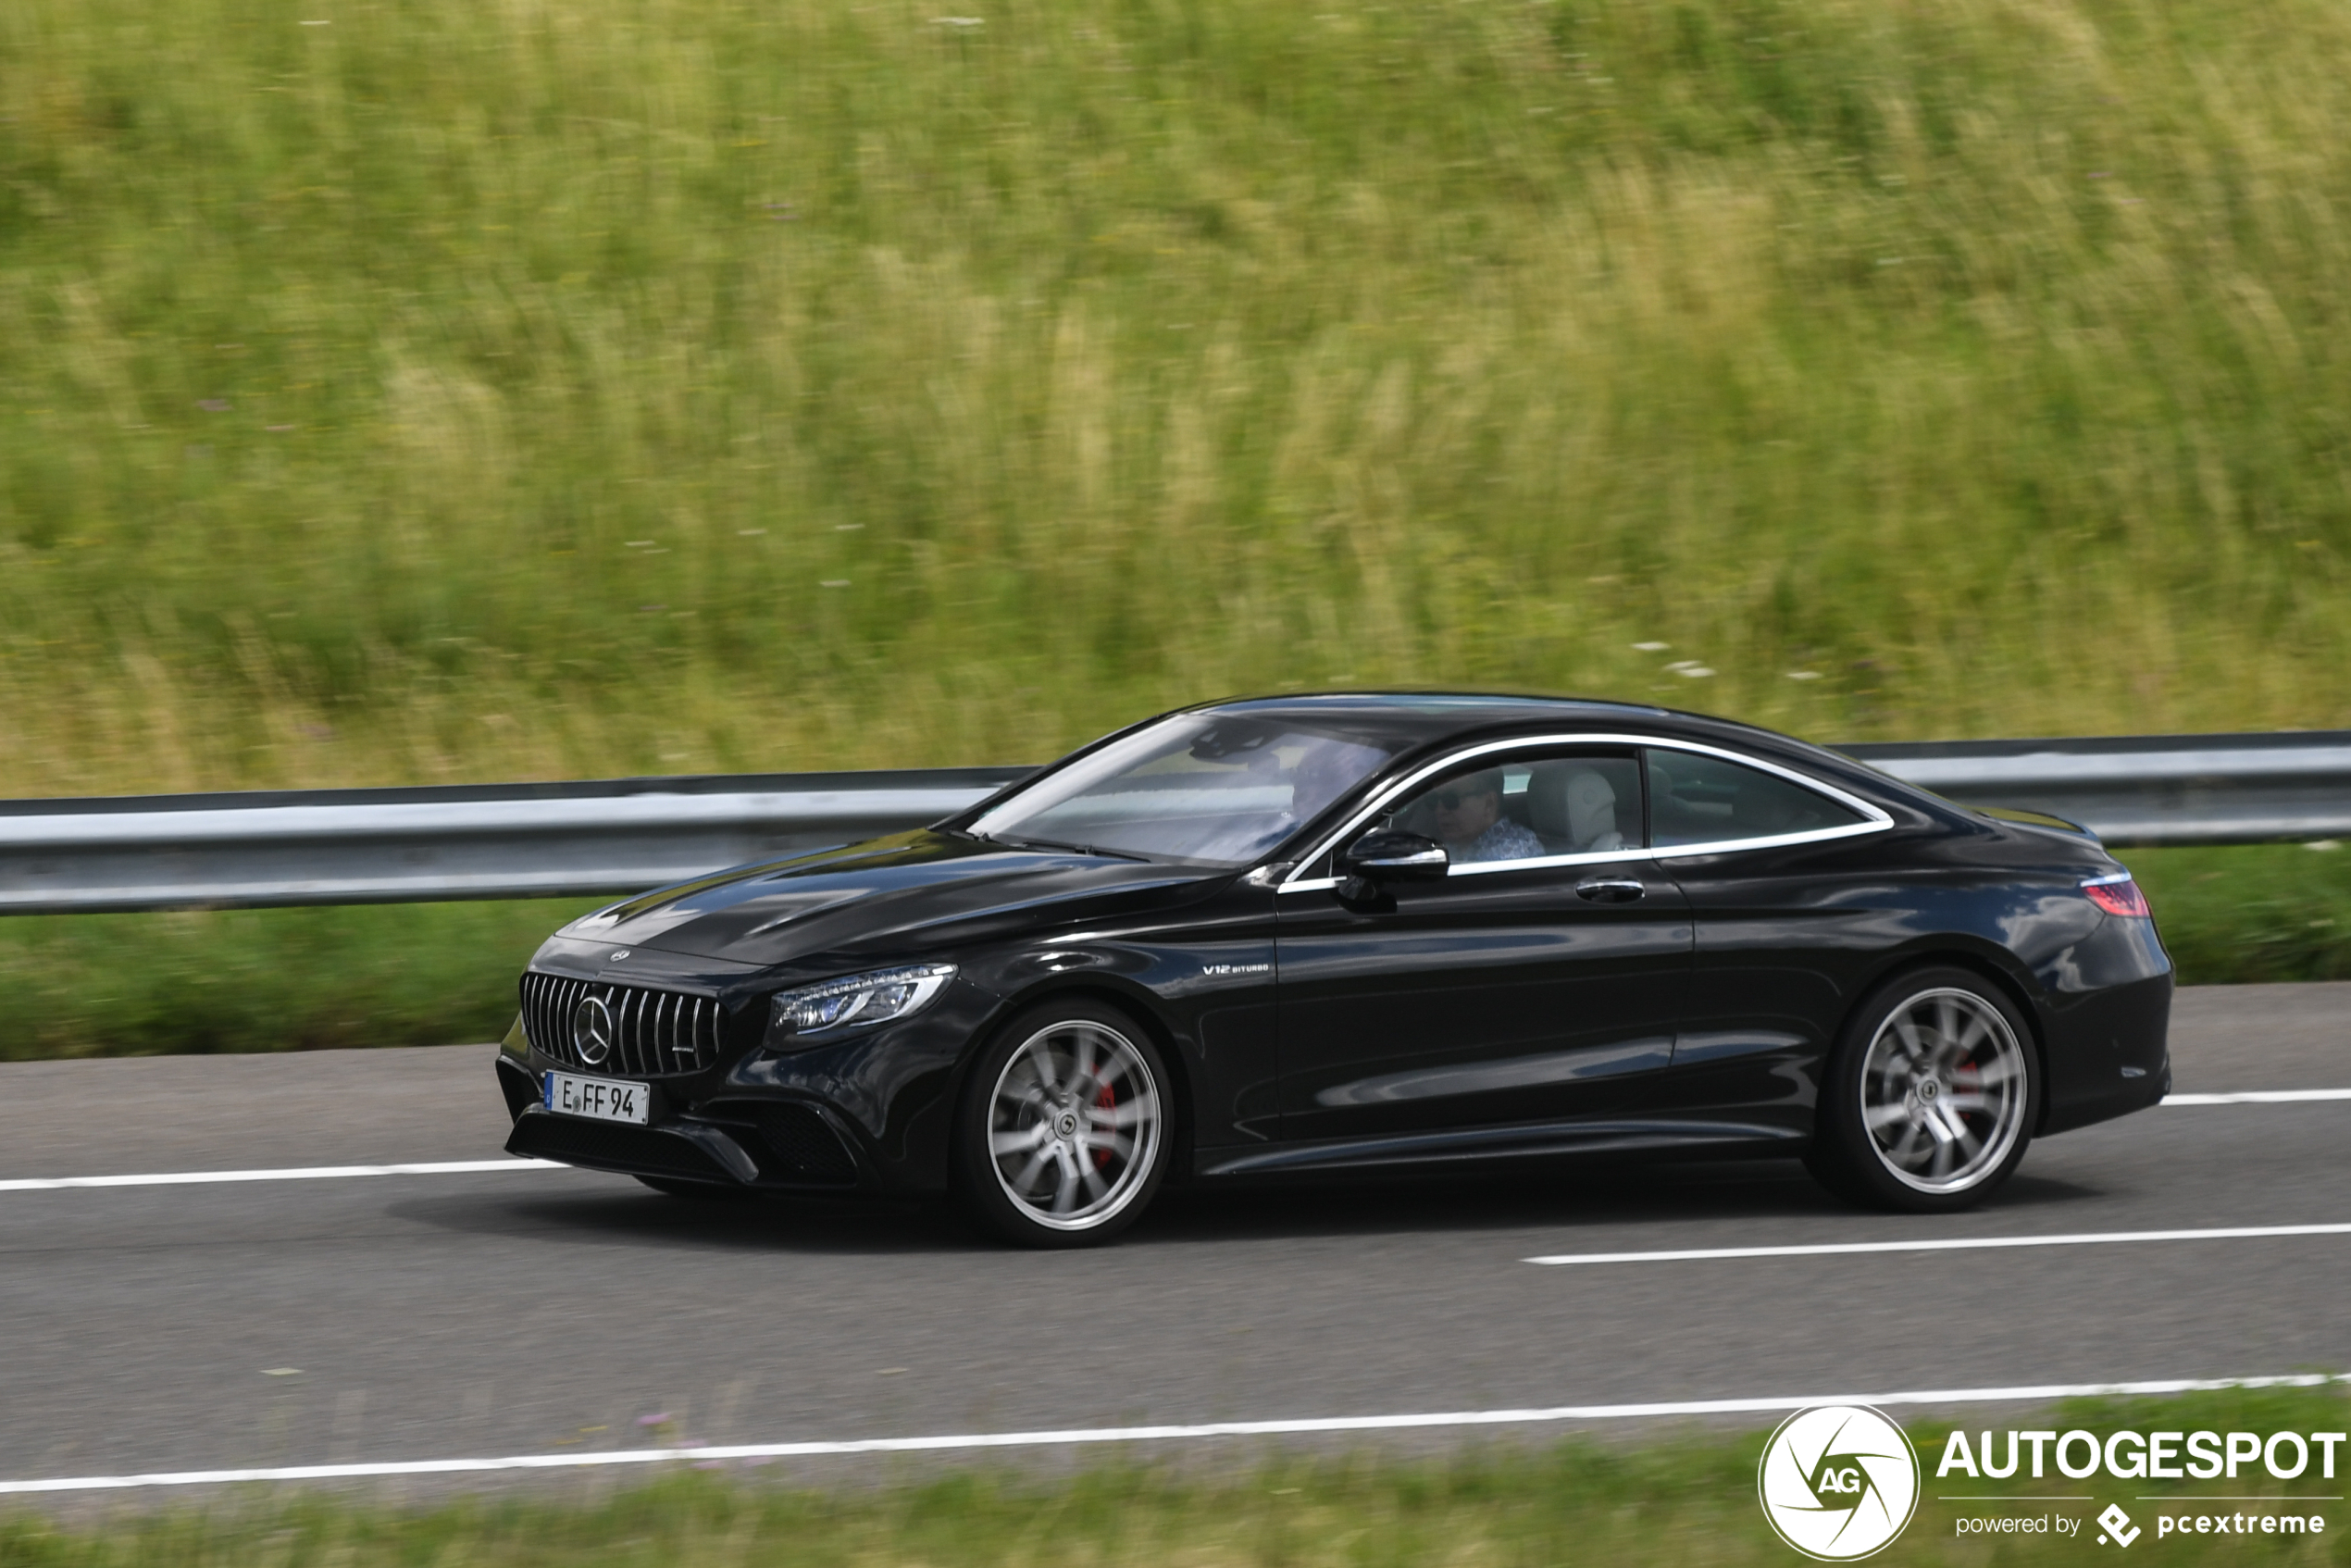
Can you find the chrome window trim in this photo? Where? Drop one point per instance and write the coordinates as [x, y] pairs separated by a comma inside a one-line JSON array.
[[1876, 819]]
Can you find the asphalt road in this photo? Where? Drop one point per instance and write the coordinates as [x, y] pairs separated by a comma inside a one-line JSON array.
[[146, 1328]]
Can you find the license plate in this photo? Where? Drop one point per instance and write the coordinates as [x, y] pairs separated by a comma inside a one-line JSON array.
[[603, 1100]]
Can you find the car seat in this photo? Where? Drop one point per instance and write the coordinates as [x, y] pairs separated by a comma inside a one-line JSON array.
[[1573, 809]]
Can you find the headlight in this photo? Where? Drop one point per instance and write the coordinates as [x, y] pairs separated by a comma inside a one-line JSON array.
[[857, 1003]]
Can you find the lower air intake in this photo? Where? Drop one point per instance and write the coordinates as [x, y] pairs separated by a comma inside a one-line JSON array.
[[791, 1143]]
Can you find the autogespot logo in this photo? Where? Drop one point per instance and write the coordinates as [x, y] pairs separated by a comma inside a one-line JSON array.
[[1838, 1482]]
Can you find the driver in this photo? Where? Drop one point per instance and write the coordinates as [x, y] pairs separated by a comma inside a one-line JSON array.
[[1472, 827]]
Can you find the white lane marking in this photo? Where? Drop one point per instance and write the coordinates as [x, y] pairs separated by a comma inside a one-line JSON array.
[[290, 1173], [2032, 1393], [2258, 1096], [1941, 1244]]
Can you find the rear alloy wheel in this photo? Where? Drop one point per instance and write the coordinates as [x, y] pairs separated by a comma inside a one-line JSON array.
[[1064, 1137], [1929, 1099]]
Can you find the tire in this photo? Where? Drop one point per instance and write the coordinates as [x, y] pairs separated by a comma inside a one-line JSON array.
[[1930, 1096], [698, 1192], [1064, 1129]]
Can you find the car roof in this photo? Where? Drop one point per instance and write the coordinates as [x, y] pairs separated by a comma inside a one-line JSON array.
[[1414, 719], [1409, 723], [1424, 716]]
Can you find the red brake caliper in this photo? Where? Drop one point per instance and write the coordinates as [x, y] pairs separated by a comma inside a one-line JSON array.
[[1108, 1101]]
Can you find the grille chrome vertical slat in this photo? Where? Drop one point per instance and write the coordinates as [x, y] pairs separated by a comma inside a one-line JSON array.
[[655, 1033], [570, 1005]]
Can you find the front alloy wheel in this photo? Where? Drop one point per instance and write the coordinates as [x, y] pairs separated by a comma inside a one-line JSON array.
[[1064, 1128], [1930, 1098]]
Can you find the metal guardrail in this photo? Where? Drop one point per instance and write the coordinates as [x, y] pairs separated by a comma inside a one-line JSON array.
[[583, 840], [392, 846], [2147, 789]]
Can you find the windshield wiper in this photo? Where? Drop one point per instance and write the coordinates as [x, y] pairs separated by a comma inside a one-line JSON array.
[[1050, 844]]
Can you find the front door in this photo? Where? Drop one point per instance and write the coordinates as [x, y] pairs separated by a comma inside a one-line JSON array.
[[1537, 980]]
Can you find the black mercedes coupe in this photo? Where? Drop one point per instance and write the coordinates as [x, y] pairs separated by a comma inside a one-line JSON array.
[[1360, 932]]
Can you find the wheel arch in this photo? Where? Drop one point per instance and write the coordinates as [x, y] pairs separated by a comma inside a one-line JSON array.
[[2009, 984]]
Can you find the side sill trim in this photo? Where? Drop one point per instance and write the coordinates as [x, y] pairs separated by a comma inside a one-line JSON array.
[[1491, 1143]]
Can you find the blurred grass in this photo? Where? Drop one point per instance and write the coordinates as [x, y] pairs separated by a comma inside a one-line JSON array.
[[1686, 1500], [288, 979], [2235, 915], [265, 979], [423, 390]]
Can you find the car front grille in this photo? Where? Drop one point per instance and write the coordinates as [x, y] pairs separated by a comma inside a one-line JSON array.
[[656, 1034]]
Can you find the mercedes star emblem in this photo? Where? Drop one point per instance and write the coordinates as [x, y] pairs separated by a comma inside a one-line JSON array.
[[592, 1030]]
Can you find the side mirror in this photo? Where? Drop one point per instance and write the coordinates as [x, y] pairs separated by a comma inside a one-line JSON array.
[[1393, 856]]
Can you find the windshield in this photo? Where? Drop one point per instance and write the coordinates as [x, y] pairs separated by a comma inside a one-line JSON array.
[[1203, 787]]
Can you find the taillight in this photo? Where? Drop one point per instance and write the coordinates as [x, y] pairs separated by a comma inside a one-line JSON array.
[[2117, 895]]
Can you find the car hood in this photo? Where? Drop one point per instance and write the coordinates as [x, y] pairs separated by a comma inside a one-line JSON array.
[[901, 895]]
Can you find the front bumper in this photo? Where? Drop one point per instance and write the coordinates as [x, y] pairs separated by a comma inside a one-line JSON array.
[[779, 1143]]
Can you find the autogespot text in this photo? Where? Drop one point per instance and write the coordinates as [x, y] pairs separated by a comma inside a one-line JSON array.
[[2152, 1456]]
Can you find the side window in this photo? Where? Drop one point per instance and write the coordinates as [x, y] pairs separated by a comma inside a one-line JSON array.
[[1700, 800], [1528, 808]]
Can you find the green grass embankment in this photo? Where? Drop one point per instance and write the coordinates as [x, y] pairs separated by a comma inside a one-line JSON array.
[[422, 390], [238, 980], [1691, 1501]]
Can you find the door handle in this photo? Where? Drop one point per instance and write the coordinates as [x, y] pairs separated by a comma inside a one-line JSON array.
[[1611, 889]]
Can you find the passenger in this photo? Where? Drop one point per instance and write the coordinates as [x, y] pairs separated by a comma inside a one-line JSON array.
[[1472, 827]]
